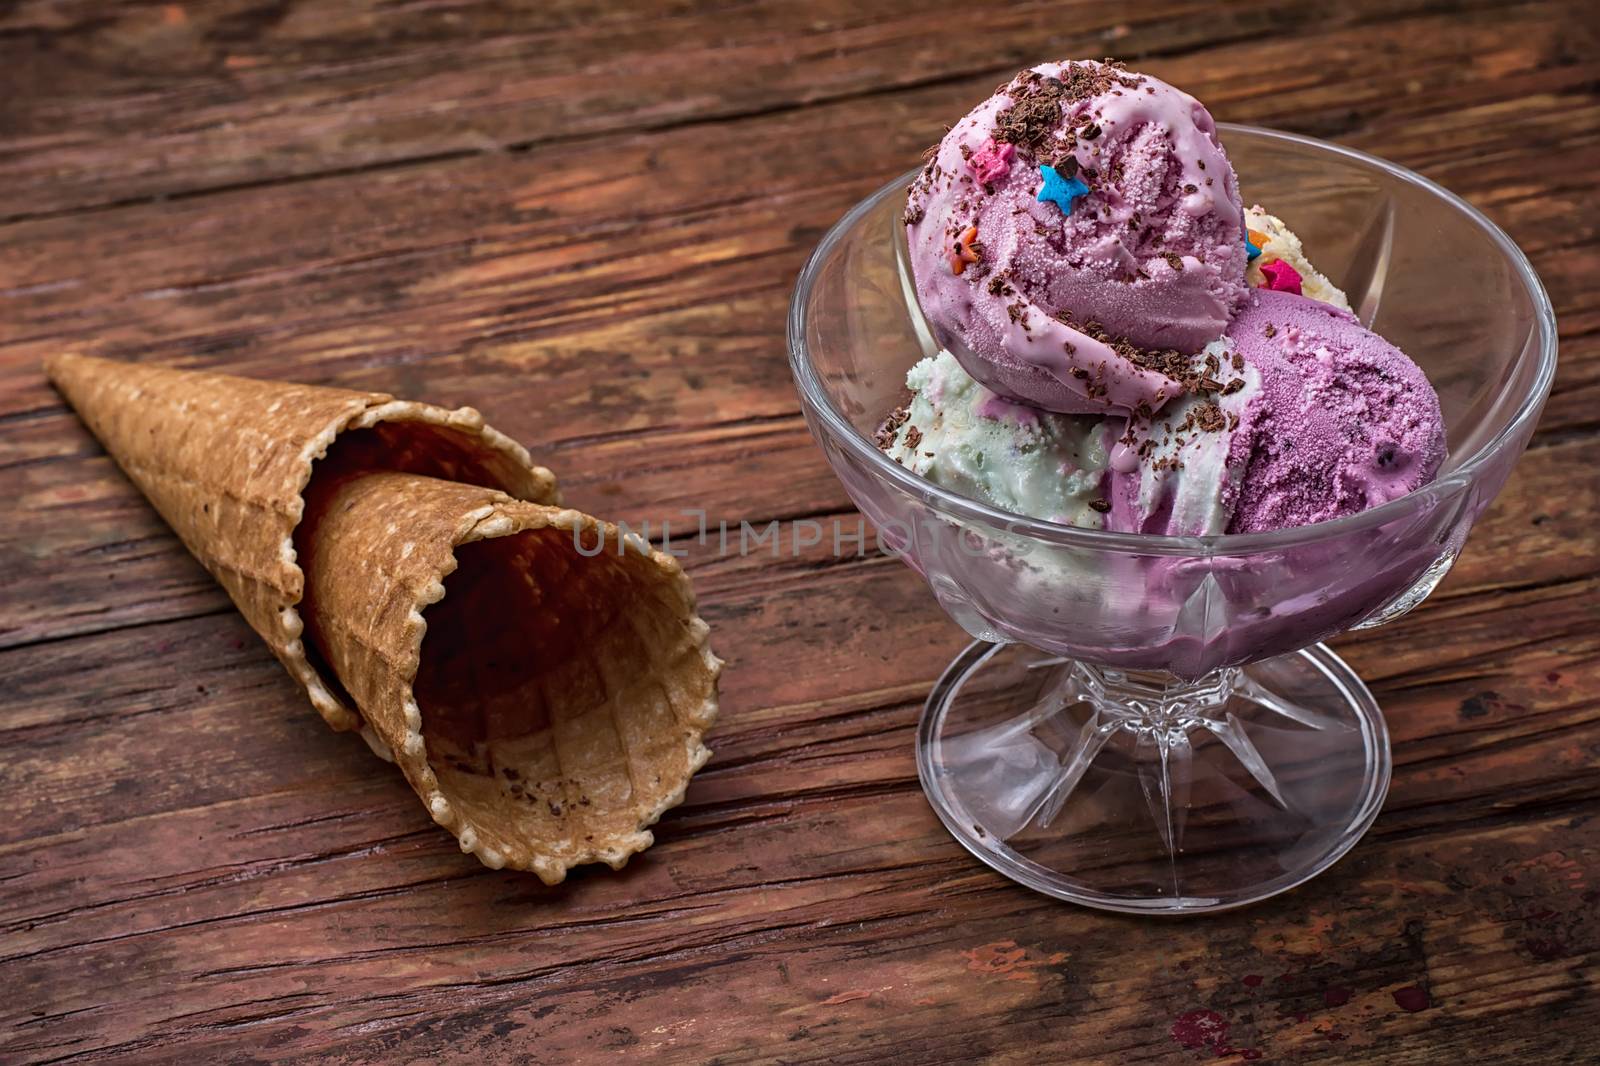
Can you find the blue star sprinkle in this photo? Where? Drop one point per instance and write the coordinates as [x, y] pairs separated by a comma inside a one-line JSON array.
[[1251, 251], [1060, 191]]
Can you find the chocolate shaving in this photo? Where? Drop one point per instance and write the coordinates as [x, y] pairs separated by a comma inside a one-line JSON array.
[[884, 437], [1103, 506], [1037, 101], [1167, 361], [1034, 113]]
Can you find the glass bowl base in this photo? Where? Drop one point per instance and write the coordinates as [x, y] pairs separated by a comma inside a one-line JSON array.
[[1137, 792]]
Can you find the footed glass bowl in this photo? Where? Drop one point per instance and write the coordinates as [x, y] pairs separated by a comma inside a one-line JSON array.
[[1148, 723]]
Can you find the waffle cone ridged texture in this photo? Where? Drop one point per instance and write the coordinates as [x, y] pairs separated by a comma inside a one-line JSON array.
[[557, 705], [538, 750]]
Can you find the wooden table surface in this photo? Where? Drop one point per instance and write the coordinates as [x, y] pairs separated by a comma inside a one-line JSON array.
[[585, 220]]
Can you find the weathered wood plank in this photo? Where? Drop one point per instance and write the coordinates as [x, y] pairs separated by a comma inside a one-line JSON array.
[[514, 226], [292, 856], [837, 977], [169, 99]]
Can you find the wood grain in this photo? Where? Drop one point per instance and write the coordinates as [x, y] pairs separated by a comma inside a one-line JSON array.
[[167, 99], [585, 220]]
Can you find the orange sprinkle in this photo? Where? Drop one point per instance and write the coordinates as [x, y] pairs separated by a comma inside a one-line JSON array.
[[963, 251], [1257, 238]]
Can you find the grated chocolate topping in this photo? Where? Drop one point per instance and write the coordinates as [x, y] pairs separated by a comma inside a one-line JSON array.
[[884, 437], [1038, 101]]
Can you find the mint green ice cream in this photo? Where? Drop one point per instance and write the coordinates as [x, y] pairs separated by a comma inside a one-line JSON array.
[[958, 434]]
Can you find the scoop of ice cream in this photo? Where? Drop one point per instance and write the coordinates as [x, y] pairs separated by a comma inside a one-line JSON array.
[[1278, 244], [1341, 420], [1078, 235], [960, 435]]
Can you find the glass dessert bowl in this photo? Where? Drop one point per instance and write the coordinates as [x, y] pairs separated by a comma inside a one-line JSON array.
[[1149, 723]]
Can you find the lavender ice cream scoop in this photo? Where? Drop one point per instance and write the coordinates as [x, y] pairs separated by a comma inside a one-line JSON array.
[[1341, 419], [1077, 237]]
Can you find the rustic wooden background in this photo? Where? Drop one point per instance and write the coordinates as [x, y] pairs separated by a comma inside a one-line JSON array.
[[585, 220]]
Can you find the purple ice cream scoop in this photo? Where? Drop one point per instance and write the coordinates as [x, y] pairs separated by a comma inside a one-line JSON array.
[[1077, 236], [1341, 420]]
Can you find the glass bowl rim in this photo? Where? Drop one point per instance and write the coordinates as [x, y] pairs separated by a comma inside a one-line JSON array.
[[815, 397]]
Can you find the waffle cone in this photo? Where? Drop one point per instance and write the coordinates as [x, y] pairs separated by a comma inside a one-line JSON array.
[[229, 463], [543, 683]]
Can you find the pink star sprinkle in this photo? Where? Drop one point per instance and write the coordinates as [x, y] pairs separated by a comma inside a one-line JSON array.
[[992, 161], [1282, 277]]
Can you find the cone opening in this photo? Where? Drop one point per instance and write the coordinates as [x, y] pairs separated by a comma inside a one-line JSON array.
[[407, 445], [430, 449], [544, 687]]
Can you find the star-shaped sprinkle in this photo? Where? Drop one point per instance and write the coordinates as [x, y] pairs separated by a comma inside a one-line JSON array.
[[1282, 277], [963, 250], [1060, 191], [1253, 242], [992, 161]]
